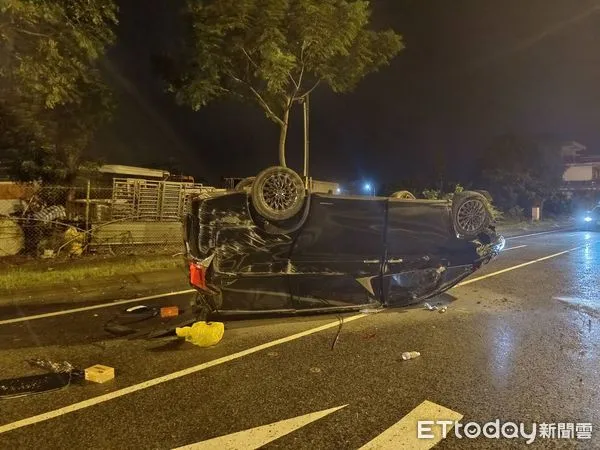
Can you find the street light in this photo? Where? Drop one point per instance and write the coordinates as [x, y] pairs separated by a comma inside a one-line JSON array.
[[369, 188]]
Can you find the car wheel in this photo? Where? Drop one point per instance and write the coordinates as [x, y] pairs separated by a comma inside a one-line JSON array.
[[470, 214], [403, 195], [278, 193], [245, 184]]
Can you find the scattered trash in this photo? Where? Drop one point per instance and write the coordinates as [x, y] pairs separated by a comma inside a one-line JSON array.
[[443, 309], [337, 335], [99, 373], [48, 253], [369, 336], [315, 370], [273, 354], [202, 334], [428, 307], [169, 311], [371, 310], [410, 355], [56, 367]]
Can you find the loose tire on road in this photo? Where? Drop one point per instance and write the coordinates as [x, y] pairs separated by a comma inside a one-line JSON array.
[[278, 193], [403, 195], [470, 214]]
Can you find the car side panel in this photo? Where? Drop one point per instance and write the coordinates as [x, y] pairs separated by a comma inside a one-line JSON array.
[[420, 246], [337, 255]]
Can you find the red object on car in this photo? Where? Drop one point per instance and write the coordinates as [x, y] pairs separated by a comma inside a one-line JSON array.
[[197, 275]]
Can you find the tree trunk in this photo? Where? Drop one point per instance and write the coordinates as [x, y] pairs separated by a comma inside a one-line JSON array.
[[283, 136]]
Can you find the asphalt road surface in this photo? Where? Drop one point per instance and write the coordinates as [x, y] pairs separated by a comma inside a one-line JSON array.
[[520, 342]]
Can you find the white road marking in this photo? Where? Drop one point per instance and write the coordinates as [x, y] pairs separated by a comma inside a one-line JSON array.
[[518, 266], [534, 234], [513, 248], [89, 308], [163, 379], [257, 437], [403, 434], [181, 373]]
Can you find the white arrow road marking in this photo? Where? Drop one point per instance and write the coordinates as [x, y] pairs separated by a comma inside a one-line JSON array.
[[259, 436], [403, 434]]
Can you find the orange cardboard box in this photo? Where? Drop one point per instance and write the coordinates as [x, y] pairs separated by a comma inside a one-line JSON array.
[[99, 373]]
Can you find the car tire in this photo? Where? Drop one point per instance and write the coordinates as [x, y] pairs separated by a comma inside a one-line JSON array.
[[470, 214], [278, 193], [403, 195], [245, 184]]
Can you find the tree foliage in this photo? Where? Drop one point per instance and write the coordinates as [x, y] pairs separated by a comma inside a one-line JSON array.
[[276, 52], [52, 97], [521, 171]]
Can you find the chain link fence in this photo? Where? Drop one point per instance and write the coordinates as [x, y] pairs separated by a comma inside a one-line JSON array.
[[132, 216]]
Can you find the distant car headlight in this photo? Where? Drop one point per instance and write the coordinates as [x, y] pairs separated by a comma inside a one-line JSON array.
[[587, 219]]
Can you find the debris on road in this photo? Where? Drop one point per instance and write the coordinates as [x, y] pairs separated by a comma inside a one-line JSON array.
[[33, 384], [370, 310], [443, 309], [99, 373], [169, 311], [410, 355], [429, 307], [315, 370], [60, 375], [56, 367], [202, 334]]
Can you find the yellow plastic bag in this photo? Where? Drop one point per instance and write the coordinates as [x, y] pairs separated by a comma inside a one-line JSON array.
[[202, 334]]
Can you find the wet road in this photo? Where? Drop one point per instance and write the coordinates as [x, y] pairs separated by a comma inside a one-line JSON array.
[[520, 342]]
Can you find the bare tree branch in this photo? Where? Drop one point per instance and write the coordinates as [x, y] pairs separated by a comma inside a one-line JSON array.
[[249, 58], [303, 96], [261, 100], [31, 33]]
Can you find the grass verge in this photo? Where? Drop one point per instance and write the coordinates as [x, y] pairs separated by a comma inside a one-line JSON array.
[[33, 275]]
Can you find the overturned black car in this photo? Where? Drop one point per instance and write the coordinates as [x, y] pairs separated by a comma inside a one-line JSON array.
[[273, 247]]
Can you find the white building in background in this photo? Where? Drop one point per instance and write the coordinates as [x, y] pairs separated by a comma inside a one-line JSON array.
[[582, 171]]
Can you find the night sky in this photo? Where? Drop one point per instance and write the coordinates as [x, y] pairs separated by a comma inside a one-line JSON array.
[[471, 70]]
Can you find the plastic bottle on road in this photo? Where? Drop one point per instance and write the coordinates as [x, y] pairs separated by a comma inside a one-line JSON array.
[[410, 355]]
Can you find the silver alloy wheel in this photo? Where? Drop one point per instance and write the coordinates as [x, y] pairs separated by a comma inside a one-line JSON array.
[[471, 215], [280, 192]]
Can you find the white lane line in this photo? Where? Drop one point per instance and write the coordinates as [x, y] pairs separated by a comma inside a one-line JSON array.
[[518, 266], [534, 234], [513, 248], [255, 438], [163, 379], [403, 434], [181, 373], [89, 308]]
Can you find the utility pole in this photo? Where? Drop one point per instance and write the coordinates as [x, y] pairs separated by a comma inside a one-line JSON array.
[[305, 105]]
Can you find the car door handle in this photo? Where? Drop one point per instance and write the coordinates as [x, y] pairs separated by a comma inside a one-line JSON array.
[[395, 261]]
